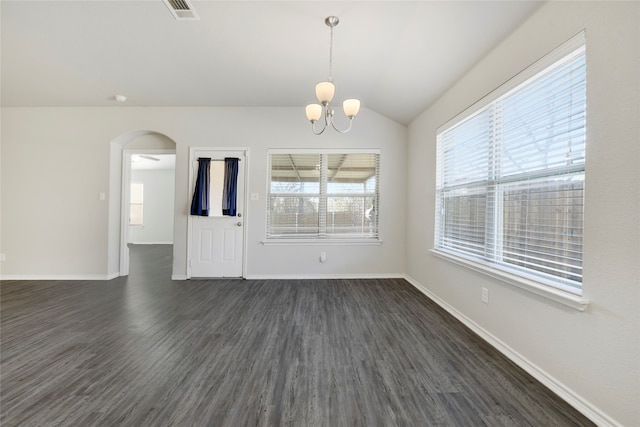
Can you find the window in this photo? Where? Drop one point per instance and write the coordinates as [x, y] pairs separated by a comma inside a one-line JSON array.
[[323, 195], [510, 175], [216, 188], [135, 204]]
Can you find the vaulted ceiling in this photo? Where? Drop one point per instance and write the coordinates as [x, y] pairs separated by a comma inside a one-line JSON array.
[[396, 56]]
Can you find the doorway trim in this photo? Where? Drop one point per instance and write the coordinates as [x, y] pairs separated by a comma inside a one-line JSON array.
[[191, 186], [125, 193]]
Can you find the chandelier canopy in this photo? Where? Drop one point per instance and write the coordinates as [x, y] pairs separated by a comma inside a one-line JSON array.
[[325, 92]]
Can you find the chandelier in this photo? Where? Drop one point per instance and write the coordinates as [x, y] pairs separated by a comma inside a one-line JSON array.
[[326, 90]]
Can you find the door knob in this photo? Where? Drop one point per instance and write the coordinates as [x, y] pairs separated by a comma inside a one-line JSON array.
[[239, 224]]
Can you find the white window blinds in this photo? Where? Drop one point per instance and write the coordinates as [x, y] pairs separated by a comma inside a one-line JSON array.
[[510, 177], [323, 195]]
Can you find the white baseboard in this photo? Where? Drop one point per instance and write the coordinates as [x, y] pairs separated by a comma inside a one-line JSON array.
[[568, 395], [322, 276], [151, 243], [184, 277], [60, 277]]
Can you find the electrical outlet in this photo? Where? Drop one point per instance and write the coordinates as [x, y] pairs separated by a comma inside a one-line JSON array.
[[3, 258], [323, 257], [485, 295]]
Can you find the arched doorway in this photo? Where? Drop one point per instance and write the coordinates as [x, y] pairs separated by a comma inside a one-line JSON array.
[[123, 148]]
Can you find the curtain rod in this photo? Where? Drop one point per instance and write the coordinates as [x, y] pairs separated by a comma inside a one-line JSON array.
[[219, 160]]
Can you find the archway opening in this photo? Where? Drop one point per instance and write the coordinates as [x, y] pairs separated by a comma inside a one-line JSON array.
[[127, 147]]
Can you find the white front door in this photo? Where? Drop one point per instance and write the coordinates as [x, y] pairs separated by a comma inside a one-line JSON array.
[[217, 241]]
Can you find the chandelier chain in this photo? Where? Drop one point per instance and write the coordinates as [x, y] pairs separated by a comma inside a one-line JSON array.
[[331, 56]]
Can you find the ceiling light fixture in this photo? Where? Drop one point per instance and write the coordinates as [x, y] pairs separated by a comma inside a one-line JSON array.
[[325, 92]]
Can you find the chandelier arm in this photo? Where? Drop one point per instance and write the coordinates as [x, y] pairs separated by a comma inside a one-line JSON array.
[[326, 112], [313, 128], [341, 131]]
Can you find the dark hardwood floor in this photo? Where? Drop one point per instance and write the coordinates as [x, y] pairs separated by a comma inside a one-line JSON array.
[[148, 351]]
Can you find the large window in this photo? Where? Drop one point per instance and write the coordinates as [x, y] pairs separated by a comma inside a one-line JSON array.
[[323, 194], [510, 175]]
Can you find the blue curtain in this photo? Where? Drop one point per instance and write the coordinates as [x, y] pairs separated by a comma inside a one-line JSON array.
[[200, 202], [230, 192]]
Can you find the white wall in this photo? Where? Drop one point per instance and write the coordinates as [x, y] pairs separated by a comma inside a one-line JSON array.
[[52, 172], [158, 207], [72, 150], [592, 358]]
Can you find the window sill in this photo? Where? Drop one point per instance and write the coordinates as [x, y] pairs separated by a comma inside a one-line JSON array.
[[312, 242], [570, 300]]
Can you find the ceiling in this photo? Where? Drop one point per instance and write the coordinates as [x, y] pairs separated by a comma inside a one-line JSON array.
[[396, 56], [153, 162]]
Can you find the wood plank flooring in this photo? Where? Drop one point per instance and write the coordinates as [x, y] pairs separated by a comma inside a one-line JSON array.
[[148, 351]]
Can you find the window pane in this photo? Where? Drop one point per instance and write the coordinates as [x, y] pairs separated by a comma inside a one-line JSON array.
[[293, 215], [135, 203], [352, 173], [136, 192], [464, 216], [465, 153], [544, 122], [349, 216], [295, 173], [135, 216], [216, 187], [285, 187], [543, 222]]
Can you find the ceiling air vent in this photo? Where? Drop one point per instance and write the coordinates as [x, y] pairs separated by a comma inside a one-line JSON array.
[[181, 9]]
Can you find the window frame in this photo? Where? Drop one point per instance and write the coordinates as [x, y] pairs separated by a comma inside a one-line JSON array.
[[550, 288], [322, 237]]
